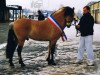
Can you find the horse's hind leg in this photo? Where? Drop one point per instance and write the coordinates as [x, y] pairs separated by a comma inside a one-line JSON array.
[[11, 55], [19, 50]]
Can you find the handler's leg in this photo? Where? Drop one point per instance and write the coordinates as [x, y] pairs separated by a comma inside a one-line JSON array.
[[81, 48], [89, 49]]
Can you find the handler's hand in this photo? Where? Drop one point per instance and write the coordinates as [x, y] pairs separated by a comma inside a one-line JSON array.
[[77, 26]]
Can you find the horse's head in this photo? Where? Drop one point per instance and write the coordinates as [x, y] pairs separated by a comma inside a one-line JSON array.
[[64, 16], [68, 15]]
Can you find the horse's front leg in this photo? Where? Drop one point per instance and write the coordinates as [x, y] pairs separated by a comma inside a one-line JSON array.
[[50, 57], [49, 52], [52, 54], [19, 50]]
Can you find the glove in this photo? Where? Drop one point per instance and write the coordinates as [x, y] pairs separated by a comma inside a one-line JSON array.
[[77, 27]]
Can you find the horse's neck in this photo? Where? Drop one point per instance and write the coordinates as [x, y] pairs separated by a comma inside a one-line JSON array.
[[60, 19]]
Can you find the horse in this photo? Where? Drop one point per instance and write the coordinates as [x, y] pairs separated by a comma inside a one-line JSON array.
[[23, 29]]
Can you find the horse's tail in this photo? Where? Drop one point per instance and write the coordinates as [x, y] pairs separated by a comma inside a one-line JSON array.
[[11, 43]]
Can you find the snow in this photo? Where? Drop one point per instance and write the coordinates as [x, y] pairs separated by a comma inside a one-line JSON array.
[[2, 45]]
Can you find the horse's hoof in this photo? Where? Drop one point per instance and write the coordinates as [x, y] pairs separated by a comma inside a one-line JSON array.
[[23, 65], [51, 62], [12, 65], [54, 64]]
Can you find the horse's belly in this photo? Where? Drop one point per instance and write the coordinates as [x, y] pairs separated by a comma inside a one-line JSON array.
[[39, 36]]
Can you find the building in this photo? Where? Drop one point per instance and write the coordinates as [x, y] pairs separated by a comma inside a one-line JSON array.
[[95, 11], [5, 11]]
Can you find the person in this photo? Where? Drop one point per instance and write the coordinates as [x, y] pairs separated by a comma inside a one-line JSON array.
[[85, 27], [40, 16]]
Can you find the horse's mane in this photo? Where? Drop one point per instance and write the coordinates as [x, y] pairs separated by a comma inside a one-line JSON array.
[[57, 11], [68, 11]]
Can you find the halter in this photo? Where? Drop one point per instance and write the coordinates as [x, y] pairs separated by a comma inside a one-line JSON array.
[[54, 21]]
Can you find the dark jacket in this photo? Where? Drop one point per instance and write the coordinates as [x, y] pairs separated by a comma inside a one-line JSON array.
[[86, 25], [40, 16]]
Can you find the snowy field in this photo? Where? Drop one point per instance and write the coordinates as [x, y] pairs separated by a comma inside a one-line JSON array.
[[35, 52]]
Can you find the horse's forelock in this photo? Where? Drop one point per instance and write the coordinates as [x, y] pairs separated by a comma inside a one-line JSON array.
[[68, 11]]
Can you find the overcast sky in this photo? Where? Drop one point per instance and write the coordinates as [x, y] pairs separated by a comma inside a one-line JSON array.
[[51, 4]]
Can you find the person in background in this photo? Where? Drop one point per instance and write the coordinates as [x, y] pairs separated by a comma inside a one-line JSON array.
[[40, 15], [85, 27]]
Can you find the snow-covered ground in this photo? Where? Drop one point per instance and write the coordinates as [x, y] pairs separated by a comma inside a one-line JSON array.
[[35, 52]]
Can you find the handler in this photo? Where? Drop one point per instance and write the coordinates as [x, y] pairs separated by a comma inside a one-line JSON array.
[[85, 27]]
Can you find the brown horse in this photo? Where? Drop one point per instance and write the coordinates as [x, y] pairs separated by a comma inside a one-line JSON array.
[[23, 29]]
